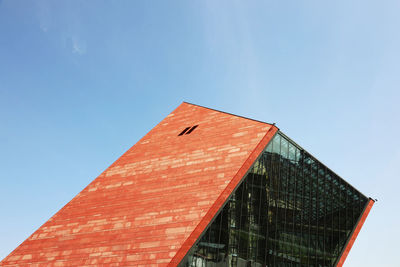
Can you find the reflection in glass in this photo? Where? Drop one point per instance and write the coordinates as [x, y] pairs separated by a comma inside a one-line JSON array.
[[290, 210]]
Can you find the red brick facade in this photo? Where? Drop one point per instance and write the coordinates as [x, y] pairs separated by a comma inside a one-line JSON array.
[[150, 206]]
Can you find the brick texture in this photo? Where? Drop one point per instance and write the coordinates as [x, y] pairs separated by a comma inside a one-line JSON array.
[[150, 206]]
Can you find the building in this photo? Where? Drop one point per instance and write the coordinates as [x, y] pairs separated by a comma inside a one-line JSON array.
[[205, 188]]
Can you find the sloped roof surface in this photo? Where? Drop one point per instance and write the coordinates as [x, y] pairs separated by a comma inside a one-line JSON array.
[[151, 205]]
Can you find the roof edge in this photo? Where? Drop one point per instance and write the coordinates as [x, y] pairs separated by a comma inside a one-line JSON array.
[[273, 124]]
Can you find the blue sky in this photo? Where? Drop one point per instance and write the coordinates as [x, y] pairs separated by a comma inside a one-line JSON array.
[[82, 81]]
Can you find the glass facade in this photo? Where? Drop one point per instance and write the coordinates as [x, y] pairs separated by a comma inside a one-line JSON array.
[[290, 210]]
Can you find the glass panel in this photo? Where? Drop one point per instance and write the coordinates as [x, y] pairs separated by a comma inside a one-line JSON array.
[[290, 210]]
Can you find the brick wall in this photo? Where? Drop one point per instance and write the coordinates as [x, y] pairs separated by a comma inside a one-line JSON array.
[[151, 205]]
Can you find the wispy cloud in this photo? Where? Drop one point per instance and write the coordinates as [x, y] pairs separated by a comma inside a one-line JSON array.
[[43, 15], [227, 29], [65, 25], [44, 28], [78, 46]]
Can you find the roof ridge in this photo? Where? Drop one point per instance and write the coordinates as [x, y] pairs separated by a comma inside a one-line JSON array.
[[230, 113]]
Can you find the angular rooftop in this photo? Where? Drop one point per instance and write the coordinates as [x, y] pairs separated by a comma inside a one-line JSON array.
[[157, 203]]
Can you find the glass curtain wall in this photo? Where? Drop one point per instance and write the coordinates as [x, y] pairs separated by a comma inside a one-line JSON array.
[[290, 210]]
